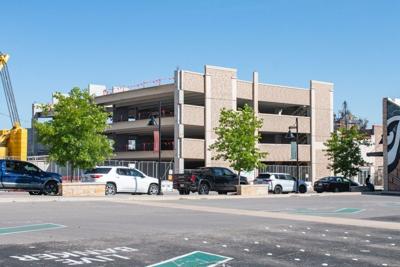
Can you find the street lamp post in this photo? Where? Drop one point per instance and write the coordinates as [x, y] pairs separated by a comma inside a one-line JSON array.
[[291, 137], [153, 122]]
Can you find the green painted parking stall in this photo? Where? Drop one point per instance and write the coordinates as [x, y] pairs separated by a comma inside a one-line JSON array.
[[195, 258], [30, 228], [328, 212]]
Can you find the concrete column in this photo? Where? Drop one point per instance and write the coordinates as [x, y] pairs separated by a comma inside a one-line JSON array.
[[255, 92], [220, 92], [207, 118], [321, 101], [255, 105], [178, 129]]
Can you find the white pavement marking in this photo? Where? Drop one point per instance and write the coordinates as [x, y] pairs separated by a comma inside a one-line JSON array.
[[273, 215], [324, 264]]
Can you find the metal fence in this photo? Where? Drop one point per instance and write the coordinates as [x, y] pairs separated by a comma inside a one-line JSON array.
[[304, 171], [150, 168]]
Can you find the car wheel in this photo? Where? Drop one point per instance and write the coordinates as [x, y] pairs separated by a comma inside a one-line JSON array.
[[50, 188], [319, 191], [111, 189], [336, 190], [153, 189], [35, 193], [278, 189], [302, 189], [204, 189]]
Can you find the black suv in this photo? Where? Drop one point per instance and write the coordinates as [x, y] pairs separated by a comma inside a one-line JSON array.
[[206, 179]]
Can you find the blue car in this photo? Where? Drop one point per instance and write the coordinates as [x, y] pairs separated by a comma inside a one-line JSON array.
[[21, 175]]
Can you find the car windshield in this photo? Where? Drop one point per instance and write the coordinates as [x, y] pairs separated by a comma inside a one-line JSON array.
[[264, 175], [99, 170]]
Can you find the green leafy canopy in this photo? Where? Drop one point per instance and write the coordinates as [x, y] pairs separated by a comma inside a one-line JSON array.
[[344, 152], [75, 133], [237, 139]]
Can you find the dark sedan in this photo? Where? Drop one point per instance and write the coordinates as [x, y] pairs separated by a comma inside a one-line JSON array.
[[333, 184]]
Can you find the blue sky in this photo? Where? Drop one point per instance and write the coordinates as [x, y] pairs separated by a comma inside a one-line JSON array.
[[56, 45]]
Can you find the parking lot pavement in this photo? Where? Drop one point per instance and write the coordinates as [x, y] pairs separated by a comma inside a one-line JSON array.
[[106, 233]]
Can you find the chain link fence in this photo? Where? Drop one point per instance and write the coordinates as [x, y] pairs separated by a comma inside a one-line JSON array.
[[150, 168]]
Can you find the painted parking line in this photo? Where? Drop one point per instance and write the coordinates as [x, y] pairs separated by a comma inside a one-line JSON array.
[[337, 211], [29, 228], [195, 258]]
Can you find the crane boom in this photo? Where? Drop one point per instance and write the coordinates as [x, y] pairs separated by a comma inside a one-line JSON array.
[[13, 143], [8, 90]]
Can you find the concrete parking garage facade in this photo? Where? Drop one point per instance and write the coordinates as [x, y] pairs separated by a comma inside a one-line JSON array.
[[191, 105]]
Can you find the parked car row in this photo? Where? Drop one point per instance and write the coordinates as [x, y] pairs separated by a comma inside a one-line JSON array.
[[20, 175]]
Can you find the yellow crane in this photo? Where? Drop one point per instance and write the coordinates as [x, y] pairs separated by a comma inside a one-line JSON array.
[[14, 142]]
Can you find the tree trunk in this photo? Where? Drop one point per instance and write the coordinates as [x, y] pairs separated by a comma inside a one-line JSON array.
[[72, 173], [239, 178]]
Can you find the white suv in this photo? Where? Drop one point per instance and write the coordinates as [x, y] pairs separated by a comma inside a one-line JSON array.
[[122, 179], [280, 182]]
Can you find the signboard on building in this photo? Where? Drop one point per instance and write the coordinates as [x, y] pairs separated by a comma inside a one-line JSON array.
[[293, 150], [391, 143]]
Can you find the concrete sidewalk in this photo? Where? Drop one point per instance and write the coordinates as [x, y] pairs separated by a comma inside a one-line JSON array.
[[10, 197]]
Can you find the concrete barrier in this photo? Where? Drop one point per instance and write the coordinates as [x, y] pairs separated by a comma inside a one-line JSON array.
[[252, 190], [83, 189]]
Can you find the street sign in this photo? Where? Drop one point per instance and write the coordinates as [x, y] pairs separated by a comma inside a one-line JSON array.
[[195, 258]]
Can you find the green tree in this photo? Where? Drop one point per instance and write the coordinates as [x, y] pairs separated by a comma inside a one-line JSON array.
[[75, 133], [344, 152], [237, 139]]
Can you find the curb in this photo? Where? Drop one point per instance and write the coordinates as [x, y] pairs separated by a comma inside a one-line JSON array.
[[36, 199]]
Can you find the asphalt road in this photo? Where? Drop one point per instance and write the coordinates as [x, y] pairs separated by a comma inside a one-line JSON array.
[[122, 232]]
